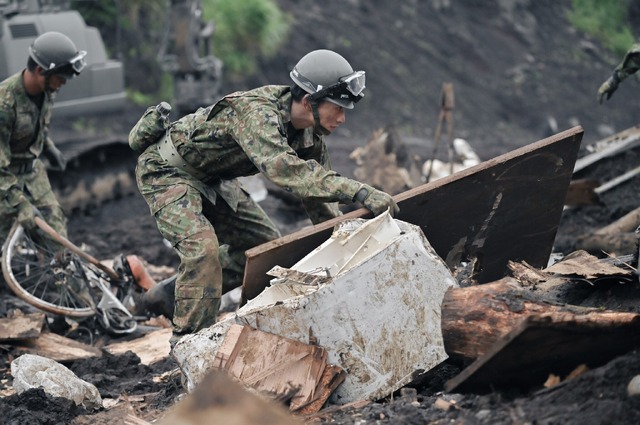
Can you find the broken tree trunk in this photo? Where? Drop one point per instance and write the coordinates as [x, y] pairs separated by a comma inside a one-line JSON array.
[[551, 343], [475, 317]]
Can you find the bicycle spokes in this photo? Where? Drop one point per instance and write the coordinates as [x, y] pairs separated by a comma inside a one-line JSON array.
[[56, 276]]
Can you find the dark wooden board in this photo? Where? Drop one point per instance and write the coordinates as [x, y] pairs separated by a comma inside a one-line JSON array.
[[506, 208]]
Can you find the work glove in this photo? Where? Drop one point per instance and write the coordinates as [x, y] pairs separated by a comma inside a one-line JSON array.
[[27, 215], [55, 158], [376, 201], [608, 87]]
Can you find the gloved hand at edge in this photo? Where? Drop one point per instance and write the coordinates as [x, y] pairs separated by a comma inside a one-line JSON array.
[[55, 157], [27, 215], [608, 87], [376, 200]]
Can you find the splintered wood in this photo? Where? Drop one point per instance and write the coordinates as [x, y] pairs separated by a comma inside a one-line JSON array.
[[285, 369], [19, 327], [151, 348]]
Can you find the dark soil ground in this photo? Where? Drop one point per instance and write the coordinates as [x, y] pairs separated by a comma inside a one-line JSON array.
[[513, 65]]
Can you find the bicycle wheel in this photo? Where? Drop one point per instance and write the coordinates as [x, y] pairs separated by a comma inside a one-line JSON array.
[[45, 274]]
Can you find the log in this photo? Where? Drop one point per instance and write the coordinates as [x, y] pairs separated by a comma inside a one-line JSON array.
[[611, 243], [627, 223], [617, 237], [475, 317], [553, 343]]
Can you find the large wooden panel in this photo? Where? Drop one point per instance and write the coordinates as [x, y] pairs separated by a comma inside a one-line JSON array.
[[507, 208]]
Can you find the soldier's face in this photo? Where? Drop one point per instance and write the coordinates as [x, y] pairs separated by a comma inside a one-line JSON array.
[[54, 82], [331, 115], [50, 83]]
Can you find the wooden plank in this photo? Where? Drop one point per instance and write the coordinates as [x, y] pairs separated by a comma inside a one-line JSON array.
[[507, 208], [612, 145], [58, 348], [226, 348], [554, 343], [279, 366], [332, 377], [151, 348], [26, 326]]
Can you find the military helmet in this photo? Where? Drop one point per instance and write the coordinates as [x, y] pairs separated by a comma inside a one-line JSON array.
[[55, 53], [326, 74]]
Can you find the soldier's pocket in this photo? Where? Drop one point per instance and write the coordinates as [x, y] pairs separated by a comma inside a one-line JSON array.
[[168, 195], [39, 187], [190, 291], [178, 214]]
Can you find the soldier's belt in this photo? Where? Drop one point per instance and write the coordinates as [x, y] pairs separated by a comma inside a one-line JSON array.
[[22, 166], [168, 152]]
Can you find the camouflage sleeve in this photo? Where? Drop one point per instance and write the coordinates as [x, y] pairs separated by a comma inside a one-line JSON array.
[[10, 192], [321, 211], [48, 144], [262, 137], [629, 64]]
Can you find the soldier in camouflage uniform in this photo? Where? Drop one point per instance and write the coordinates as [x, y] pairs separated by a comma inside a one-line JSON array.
[[188, 177], [26, 99], [629, 65]]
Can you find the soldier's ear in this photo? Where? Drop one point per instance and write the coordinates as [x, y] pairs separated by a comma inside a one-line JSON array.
[[306, 103]]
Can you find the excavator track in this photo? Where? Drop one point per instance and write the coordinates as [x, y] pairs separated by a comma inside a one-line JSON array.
[[97, 171]]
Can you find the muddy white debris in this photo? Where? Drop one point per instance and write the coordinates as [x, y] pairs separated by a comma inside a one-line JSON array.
[[376, 309], [31, 371]]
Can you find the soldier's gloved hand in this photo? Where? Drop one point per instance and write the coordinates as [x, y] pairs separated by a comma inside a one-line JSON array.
[[55, 157], [27, 215], [376, 201], [608, 87]]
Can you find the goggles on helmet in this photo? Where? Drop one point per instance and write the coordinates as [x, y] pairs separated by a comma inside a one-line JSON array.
[[350, 88], [78, 62], [70, 69]]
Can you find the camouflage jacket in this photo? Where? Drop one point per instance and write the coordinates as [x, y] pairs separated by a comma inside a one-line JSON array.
[[629, 64], [23, 133], [247, 133]]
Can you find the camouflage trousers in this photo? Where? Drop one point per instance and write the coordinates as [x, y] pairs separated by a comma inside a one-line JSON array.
[[210, 241], [37, 189]]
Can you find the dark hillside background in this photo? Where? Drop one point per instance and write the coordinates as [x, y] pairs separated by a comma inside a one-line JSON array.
[[514, 65]]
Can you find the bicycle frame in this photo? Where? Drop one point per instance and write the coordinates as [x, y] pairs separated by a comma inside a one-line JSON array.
[[51, 273]]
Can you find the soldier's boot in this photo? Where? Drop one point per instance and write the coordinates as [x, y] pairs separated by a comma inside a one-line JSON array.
[[160, 299]]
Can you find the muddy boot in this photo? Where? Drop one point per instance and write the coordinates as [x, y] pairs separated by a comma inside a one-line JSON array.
[[160, 299]]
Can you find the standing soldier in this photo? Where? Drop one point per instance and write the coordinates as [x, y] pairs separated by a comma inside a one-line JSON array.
[[26, 99], [189, 177], [629, 65]]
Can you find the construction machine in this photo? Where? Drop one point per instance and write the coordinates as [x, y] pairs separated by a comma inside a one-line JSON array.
[[99, 88], [91, 116], [186, 53]]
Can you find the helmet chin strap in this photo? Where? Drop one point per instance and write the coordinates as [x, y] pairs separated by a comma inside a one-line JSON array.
[[317, 127], [47, 85]]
